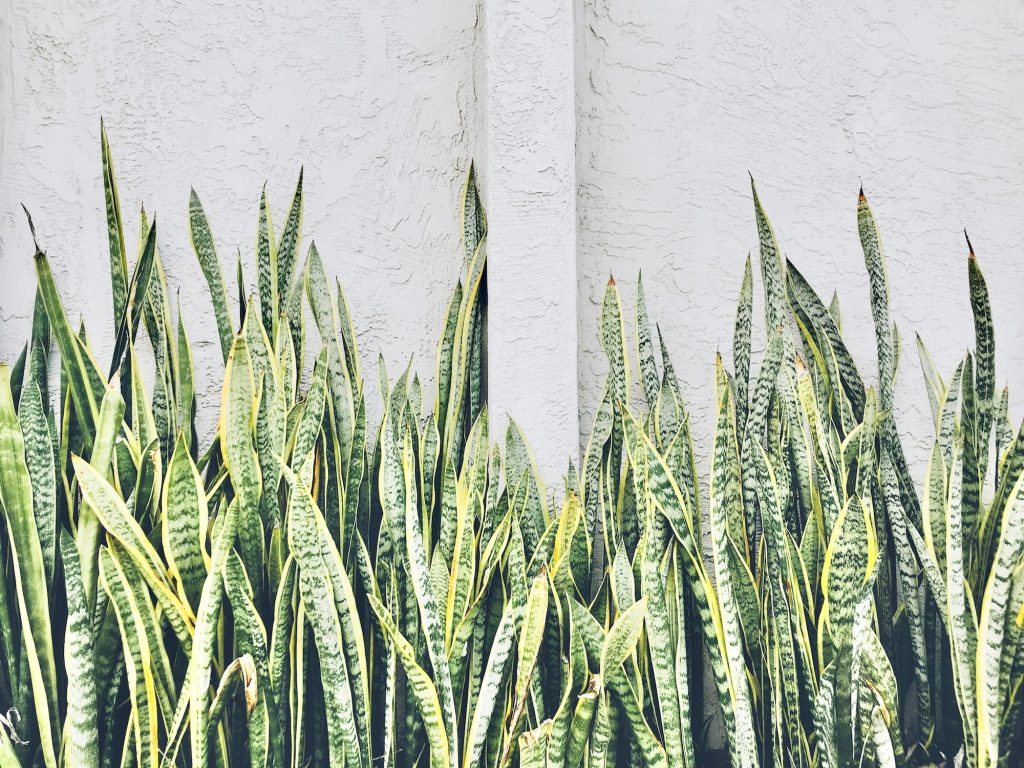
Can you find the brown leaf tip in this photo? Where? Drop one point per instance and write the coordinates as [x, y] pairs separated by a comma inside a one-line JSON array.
[[860, 195], [611, 279], [970, 248], [32, 229]]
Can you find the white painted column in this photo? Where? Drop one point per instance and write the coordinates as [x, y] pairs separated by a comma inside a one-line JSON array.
[[530, 193]]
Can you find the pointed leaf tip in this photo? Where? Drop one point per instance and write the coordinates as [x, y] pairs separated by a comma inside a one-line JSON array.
[[970, 248], [32, 229], [860, 195], [611, 279]]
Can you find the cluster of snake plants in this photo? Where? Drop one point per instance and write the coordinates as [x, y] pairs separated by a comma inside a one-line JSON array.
[[308, 589], [849, 617]]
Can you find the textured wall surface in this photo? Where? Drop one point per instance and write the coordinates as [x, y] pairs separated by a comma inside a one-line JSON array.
[[385, 103], [377, 100], [922, 102], [531, 196]]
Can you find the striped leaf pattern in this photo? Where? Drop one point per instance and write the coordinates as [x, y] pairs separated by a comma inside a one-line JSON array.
[[310, 587]]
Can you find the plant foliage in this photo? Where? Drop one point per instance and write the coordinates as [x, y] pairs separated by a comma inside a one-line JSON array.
[[311, 589]]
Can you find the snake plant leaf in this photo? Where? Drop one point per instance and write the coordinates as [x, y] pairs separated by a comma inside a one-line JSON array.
[[473, 218], [185, 385], [531, 633], [423, 690], [27, 564], [533, 746], [128, 323], [772, 272], [623, 637], [613, 341], [951, 400], [149, 631], [499, 660], [463, 565], [780, 598], [594, 637], [281, 637], [962, 627], [849, 564], [241, 670], [885, 753], [115, 230], [992, 669], [40, 453], [645, 348], [265, 739], [352, 637], [185, 524], [237, 417], [1003, 429], [582, 722], [341, 385], [90, 529], [462, 382], [601, 735], [112, 513], [81, 742], [206, 252], [270, 434], [877, 673], [803, 297], [846, 579], [266, 259], [201, 661], [321, 298], [307, 430], [934, 384], [445, 359], [348, 335], [874, 260], [911, 590], [727, 504], [288, 249], [985, 351], [141, 682], [160, 328], [304, 542], [622, 578], [85, 382], [934, 507], [427, 604], [741, 345]]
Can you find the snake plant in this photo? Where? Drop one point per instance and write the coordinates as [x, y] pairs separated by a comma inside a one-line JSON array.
[[307, 588]]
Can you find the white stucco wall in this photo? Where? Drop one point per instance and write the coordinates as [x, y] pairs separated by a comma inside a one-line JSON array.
[[922, 102], [530, 191], [385, 103], [376, 100]]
